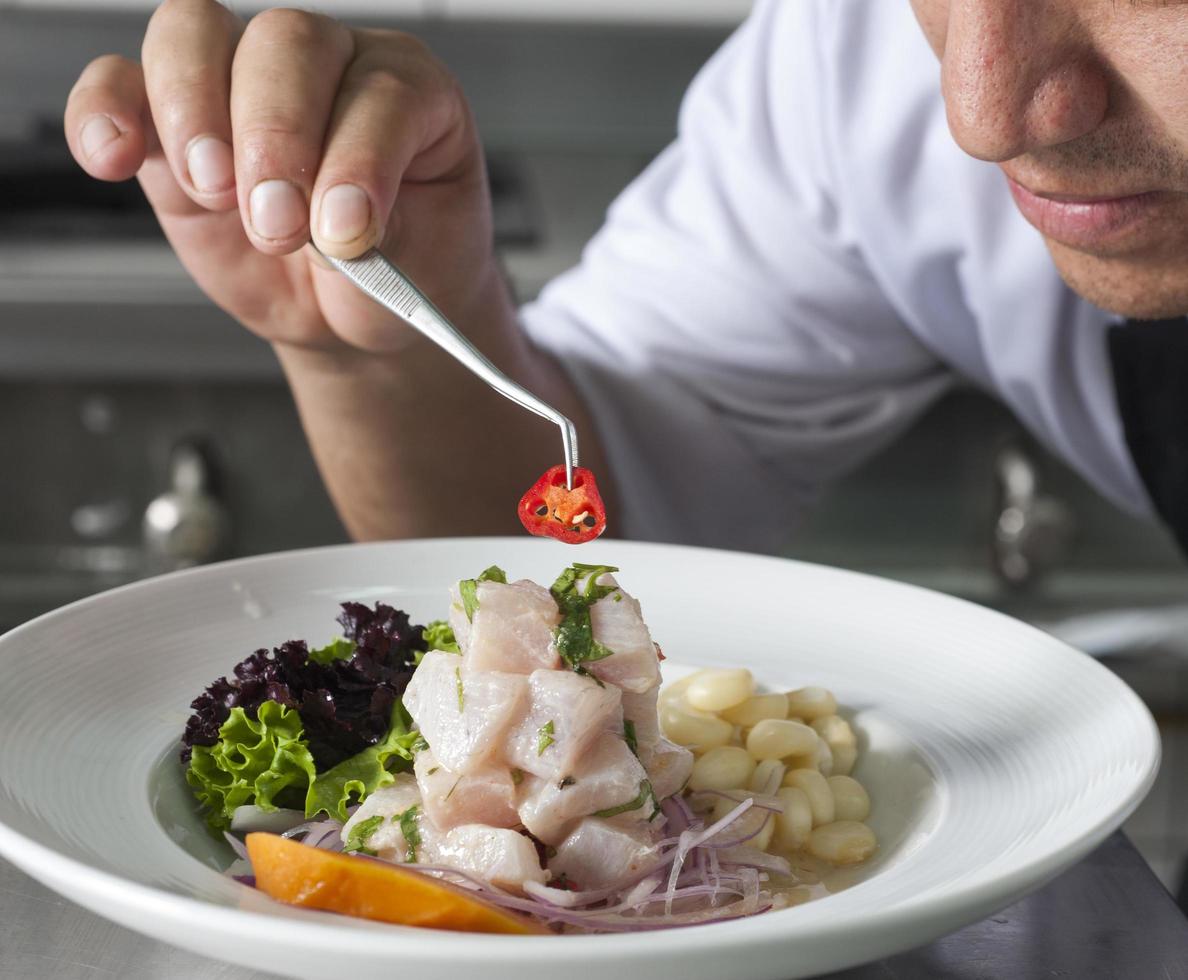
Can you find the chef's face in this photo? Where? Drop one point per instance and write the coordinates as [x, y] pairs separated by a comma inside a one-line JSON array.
[[1084, 106]]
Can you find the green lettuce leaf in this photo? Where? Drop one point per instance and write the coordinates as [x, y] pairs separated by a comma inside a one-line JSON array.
[[339, 648], [362, 774], [253, 760], [439, 636]]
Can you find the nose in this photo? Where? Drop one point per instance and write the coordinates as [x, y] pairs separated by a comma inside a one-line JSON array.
[[1019, 76]]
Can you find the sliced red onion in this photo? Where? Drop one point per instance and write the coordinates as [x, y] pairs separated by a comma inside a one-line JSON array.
[[763, 801], [643, 890], [324, 834], [327, 838], [752, 857], [236, 845], [748, 835], [562, 898], [697, 877], [690, 840]]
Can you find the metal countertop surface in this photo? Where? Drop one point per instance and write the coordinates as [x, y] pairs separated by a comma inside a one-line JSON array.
[[1108, 917]]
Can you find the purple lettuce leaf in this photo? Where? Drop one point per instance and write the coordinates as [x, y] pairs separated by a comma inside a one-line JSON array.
[[345, 705]]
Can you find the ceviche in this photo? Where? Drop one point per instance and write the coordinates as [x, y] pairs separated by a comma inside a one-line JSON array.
[[516, 767]]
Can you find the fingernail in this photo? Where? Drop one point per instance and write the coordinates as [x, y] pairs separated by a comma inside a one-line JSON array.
[[277, 209], [211, 165], [345, 214], [96, 133]]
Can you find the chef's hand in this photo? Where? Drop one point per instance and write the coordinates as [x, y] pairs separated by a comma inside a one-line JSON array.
[[252, 139]]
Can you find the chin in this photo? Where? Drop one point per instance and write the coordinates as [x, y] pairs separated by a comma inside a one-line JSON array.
[[1137, 288]]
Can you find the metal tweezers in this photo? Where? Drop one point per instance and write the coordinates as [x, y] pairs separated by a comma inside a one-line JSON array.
[[392, 289]]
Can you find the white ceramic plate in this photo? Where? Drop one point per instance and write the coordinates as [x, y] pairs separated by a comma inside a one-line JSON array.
[[995, 755]]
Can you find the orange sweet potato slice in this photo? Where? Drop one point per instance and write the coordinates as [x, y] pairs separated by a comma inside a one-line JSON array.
[[298, 875]]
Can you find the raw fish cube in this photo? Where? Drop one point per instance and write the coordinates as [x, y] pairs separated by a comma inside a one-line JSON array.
[[603, 778], [668, 765], [464, 716], [513, 628], [640, 710], [457, 619], [566, 712], [485, 796], [389, 803], [618, 625], [602, 854], [503, 857]]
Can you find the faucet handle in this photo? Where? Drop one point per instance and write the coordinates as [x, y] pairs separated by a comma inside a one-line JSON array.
[[187, 524]]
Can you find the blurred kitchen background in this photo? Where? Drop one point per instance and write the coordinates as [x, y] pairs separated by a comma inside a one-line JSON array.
[[143, 430]]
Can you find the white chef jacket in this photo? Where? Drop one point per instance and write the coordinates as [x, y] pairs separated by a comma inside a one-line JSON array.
[[801, 273]]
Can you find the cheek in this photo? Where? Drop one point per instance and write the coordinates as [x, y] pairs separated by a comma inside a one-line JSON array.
[[933, 16], [1157, 82]]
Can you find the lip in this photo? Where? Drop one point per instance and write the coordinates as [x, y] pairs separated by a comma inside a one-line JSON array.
[[1083, 222]]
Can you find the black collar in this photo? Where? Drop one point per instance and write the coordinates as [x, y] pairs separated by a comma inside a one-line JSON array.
[[1150, 363]]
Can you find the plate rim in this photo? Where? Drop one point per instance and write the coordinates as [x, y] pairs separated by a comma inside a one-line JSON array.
[[957, 902]]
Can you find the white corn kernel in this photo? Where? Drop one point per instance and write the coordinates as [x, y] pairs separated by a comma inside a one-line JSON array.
[[757, 708], [674, 693], [694, 729], [817, 789], [850, 799], [774, 738], [793, 826], [716, 690], [824, 758], [821, 759], [755, 821], [843, 842], [836, 733], [835, 730], [768, 776], [811, 702], [844, 757], [722, 768], [762, 840], [723, 805]]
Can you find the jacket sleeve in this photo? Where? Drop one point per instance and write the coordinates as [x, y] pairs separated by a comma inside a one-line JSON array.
[[732, 347]]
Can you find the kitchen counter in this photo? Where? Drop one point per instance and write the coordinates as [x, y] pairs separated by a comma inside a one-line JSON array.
[[1108, 917]]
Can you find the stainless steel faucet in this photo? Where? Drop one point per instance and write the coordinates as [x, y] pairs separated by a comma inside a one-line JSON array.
[[1032, 530], [187, 524]]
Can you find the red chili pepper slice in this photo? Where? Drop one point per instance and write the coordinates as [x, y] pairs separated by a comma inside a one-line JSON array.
[[550, 509]]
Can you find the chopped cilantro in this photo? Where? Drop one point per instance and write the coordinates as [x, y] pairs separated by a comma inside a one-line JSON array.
[[361, 833], [574, 637], [468, 588], [458, 684], [411, 831], [544, 737], [629, 736], [645, 792]]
